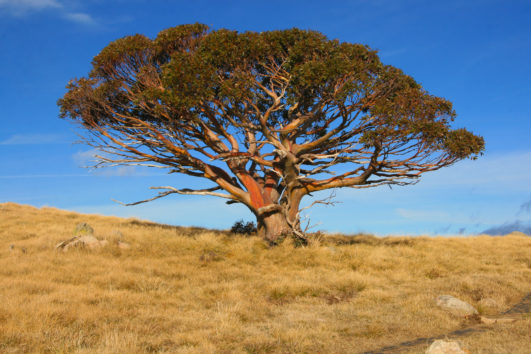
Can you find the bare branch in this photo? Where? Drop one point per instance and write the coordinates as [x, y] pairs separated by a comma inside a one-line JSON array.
[[185, 191]]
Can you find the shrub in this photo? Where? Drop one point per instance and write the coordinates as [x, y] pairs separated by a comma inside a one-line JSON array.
[[241, 227]]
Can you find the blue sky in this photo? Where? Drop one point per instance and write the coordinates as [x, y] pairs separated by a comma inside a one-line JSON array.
[[474, 53]]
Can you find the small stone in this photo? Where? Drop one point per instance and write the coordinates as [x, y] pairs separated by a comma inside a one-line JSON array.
[[455, 305], [87, 241], [445, 347], [83, 229], [487, 321], [11, 247]]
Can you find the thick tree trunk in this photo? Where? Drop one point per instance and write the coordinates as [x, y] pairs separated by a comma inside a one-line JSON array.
[[273, 226]]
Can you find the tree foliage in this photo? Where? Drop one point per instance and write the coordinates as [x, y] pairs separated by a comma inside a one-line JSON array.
[[267, 117]]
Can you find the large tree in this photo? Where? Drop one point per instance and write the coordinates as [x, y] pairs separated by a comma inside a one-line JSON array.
[[267, 118]]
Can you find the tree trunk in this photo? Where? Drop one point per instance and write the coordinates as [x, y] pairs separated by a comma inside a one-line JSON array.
[[273, 226]]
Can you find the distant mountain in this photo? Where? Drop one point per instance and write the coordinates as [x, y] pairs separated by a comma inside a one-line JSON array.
[[508, 228]]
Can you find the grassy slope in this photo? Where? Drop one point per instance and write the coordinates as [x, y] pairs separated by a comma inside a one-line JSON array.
[[183, 290]]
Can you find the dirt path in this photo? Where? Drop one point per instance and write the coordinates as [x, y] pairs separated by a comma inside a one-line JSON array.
[[523, 307]]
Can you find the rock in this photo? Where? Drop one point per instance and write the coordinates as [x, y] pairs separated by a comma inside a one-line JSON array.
[[61, 245], [11, 247], [445, 347], [487, 321], [87, 241], [83, 229], [455, 305]]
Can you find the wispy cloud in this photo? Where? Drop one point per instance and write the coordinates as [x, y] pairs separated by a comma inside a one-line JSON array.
[[120, 171], [43, 176], [31, 139], [80, 18], [22, 7], [85, 158], [88, 159], [19, 8]]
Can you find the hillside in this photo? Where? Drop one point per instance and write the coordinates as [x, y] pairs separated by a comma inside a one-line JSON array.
[[199, 291]]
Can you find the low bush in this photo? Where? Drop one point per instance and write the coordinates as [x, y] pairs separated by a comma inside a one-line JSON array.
[[244, 228]]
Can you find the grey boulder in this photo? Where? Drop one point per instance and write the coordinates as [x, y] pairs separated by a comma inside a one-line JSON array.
[[455, 305]]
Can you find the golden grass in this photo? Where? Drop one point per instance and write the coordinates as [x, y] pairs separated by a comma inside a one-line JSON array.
[[198, 291]]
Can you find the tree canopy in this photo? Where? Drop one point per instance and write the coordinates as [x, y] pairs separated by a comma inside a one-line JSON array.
[[267, 117]]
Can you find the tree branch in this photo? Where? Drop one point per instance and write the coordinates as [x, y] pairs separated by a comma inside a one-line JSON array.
[[185, 191]]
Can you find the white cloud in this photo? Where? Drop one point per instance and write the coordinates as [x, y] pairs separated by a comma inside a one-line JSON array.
[[88, 159], [85, 158], [121, 171], [24, 7], [21, 7], [80, 18], [31, 139], [44, 176]]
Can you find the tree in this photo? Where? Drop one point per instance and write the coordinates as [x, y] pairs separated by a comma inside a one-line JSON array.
[[268, 118]]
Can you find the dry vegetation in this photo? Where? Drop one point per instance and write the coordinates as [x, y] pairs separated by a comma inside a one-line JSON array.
[[193, 291]]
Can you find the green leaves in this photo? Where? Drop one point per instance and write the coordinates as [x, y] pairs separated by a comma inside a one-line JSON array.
[[130, 50], [180, 38], [461, 143], [292, 89]]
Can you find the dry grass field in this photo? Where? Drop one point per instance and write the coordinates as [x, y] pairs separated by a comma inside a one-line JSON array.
[[198, 291]]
